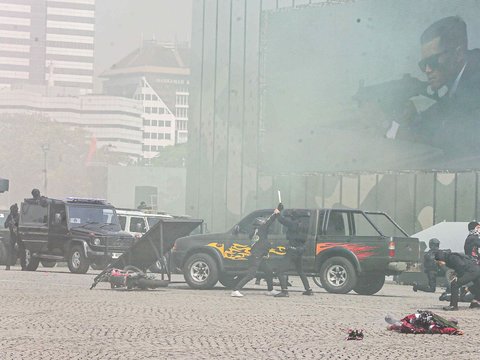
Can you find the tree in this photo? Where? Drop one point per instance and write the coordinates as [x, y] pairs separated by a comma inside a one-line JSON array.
[[27, 140], [171, 156]]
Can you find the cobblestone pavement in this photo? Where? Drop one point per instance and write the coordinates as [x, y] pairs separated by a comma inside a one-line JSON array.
[[53, 315]]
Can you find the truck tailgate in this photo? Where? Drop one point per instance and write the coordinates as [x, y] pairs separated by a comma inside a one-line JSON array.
[[406, 249]]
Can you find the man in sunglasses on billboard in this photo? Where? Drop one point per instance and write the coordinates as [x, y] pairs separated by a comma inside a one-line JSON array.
[[453, 74]]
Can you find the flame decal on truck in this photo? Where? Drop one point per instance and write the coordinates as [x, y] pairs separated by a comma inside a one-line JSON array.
[[241, 252], [361, 251]]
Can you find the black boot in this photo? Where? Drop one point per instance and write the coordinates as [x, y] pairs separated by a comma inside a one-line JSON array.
[[283, 293], [308, 292], [474, 304], [450, 308]]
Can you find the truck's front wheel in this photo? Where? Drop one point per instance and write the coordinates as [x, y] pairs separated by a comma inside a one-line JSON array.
[[201, 271], [77, 261], [369, 284], [338, 275]]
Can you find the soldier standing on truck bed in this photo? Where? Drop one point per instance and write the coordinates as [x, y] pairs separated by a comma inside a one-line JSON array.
[[258, 253], [430, 268], [297, 223]]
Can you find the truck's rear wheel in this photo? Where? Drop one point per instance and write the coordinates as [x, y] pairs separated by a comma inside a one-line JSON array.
[[31, 263], [77, 261], [369, 284], [201, 271], [338, 275]]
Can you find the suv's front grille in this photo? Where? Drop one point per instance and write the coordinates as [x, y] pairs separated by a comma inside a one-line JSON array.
[[120, 242]]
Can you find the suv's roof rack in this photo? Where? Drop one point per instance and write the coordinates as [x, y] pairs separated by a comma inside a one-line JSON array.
[[79, 200], [128, 209]]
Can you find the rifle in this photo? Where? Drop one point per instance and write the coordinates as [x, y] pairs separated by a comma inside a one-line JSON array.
[[392, 95]]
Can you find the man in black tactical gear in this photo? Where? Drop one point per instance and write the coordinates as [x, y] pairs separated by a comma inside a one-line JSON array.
[[296, 222], [259, 251], [12, 224], [472, 242], [39, 199], [430, 267], [467, 271]]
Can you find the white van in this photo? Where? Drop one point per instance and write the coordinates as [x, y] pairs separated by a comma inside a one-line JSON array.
[[138, 223], [134, 222]]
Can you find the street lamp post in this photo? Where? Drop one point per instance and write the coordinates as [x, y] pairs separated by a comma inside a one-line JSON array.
[[45, 148]]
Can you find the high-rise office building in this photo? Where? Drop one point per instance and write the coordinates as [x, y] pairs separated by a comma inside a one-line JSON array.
[[47, 42], [155, 72]]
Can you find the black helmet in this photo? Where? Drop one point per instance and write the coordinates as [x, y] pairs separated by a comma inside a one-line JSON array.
[[472, 225], [440, 255], [434, 243], [35, 193], [259, 222]]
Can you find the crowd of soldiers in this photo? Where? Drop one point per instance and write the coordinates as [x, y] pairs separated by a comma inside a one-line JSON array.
[[464, 283]]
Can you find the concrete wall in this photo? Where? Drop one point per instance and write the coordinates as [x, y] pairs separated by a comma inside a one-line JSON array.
[[170, 184]]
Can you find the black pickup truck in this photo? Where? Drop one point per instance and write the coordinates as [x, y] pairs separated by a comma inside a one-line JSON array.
[[347, 249]]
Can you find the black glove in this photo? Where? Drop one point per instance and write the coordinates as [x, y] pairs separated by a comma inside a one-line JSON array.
[[280, 207]]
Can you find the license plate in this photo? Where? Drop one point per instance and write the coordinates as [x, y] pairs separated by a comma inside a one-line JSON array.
[[116, 255]]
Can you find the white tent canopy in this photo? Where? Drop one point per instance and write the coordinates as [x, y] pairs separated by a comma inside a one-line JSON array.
[[451, 235]]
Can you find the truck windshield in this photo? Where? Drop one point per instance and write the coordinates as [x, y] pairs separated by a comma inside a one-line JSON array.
[[81, 215], [386, 225]]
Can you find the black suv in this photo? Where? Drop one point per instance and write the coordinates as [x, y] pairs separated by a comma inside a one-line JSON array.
[[346, 249], [79, 231]]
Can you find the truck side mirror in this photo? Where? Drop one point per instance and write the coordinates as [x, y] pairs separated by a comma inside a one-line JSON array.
[[58, 218]]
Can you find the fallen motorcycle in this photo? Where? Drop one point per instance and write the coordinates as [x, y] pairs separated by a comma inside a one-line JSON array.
[[129, 278]]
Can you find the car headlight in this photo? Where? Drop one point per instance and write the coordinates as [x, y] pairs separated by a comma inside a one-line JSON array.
[[96, 241]]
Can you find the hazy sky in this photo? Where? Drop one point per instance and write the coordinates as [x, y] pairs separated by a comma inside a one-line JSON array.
[[121, 23]]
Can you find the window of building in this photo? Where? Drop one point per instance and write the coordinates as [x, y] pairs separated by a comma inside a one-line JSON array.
[[161, 110], [148, 97], [148, 110], [146, 122], [146, 148], [155, 110], [146, 135], [161, 123], [168, 123], [167, 137], [161, 135], [154, 148], [154, 135], [154, 122]]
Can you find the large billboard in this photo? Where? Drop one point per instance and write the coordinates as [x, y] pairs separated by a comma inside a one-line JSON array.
[[370, 86]]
